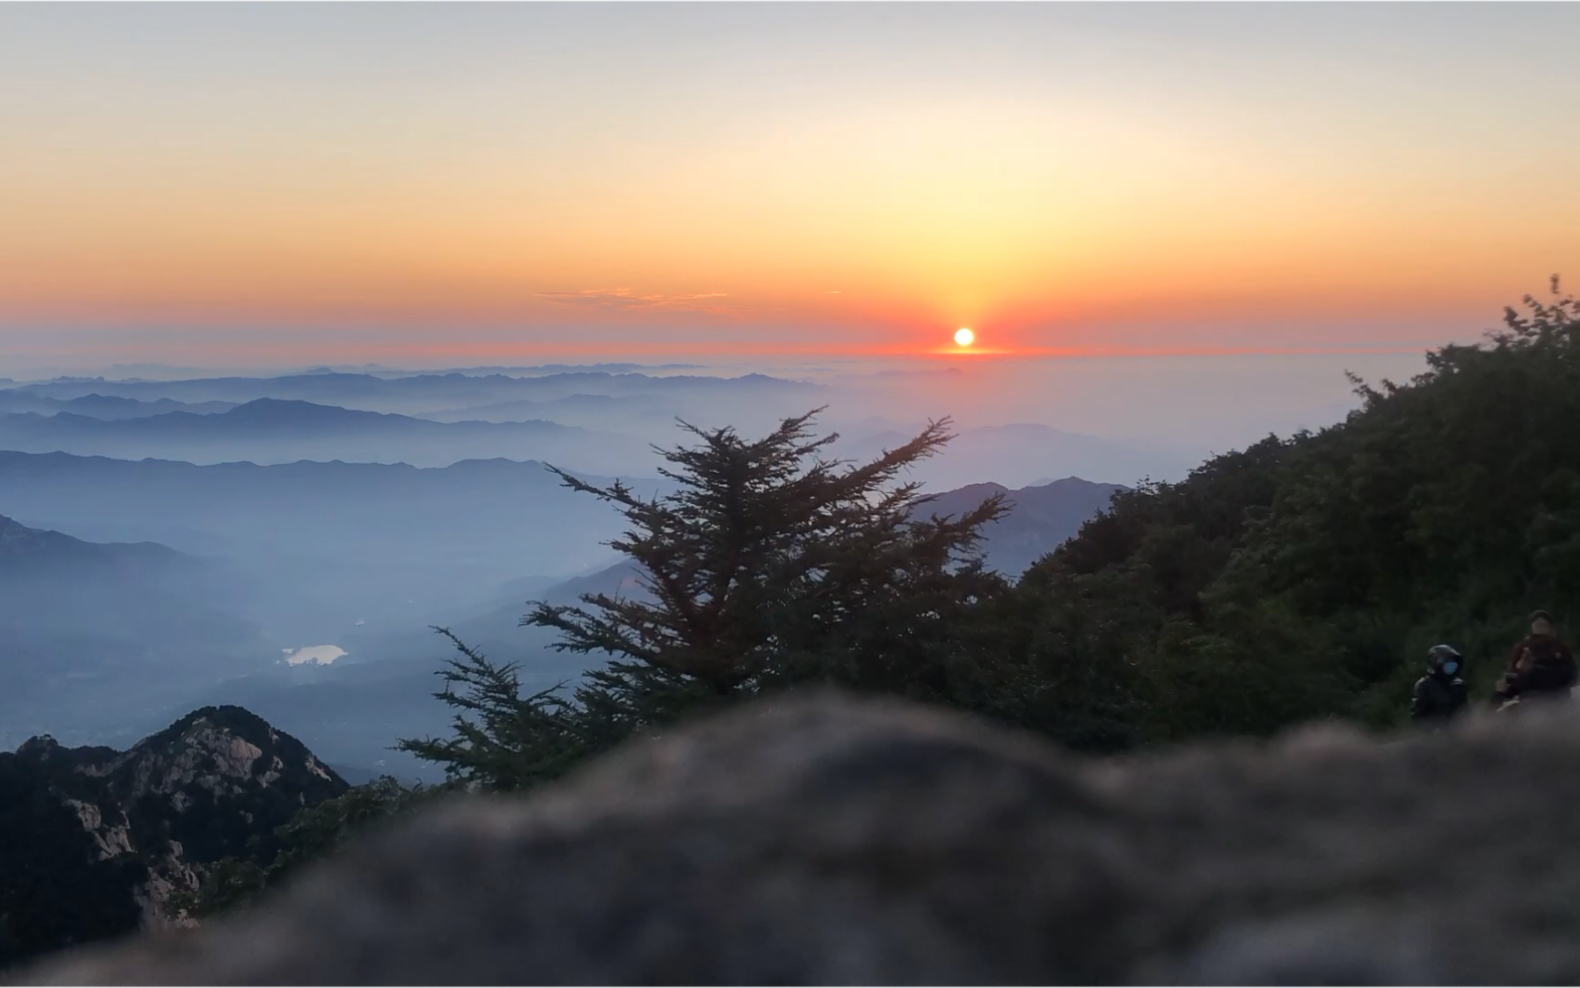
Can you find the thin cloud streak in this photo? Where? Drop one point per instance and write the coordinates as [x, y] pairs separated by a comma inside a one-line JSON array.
[[623, 298]]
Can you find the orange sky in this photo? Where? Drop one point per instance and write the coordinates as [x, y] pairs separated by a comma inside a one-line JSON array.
[[373, 182]]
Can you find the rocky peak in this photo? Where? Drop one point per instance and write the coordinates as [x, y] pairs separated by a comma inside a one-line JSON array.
[[139, 826], [222, 751], [40, 747]]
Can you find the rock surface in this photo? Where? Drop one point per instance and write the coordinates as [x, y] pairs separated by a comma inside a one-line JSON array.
[[824, 840]]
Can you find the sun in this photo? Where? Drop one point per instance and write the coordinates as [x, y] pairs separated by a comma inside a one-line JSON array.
[[964, 337]]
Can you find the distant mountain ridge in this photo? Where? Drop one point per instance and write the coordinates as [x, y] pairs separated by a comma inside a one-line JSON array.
[[607, 408], [618, 442], [623, 413], [259, 413], [1040, 517], [280, 430], [25, 552], [411, 393], [13, 401], [1018, 453], [325, 545], [340, 507], [94, 842]]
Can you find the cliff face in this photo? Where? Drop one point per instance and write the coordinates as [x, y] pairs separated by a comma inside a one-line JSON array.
[[95, 841]]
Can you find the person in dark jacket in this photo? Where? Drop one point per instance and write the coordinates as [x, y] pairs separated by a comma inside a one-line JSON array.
[[1541, 667], [1440, 694]]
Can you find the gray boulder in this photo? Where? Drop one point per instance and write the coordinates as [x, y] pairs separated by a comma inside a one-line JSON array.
[[828, 840]]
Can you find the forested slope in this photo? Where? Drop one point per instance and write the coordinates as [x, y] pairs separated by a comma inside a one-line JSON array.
[[1306, 577]]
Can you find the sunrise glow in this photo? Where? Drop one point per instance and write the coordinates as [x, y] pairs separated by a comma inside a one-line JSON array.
[[964, 337], [620, 179]]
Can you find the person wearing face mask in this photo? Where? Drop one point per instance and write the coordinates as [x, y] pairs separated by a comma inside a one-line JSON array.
[[1441, 693], [1541, 667]]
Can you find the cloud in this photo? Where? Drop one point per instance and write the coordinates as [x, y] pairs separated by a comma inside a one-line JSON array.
[[623, 298]]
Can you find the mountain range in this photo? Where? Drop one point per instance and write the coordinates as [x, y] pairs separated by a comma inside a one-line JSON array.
[[329, 543], [13, 401], [599, 421], [625, 411], [421, 392], [271, 430]]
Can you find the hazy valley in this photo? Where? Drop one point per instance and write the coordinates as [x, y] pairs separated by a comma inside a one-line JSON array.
[[286, 543]]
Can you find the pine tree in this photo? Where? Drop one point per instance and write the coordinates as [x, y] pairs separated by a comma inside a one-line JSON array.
[[768, 566]]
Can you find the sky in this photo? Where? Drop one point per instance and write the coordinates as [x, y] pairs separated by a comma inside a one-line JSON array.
[[422, 184]]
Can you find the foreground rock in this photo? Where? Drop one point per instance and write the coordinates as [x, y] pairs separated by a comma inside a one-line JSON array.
[[830, 841]]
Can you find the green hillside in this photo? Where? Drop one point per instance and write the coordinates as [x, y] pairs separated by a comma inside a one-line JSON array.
[[1306, 577]]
